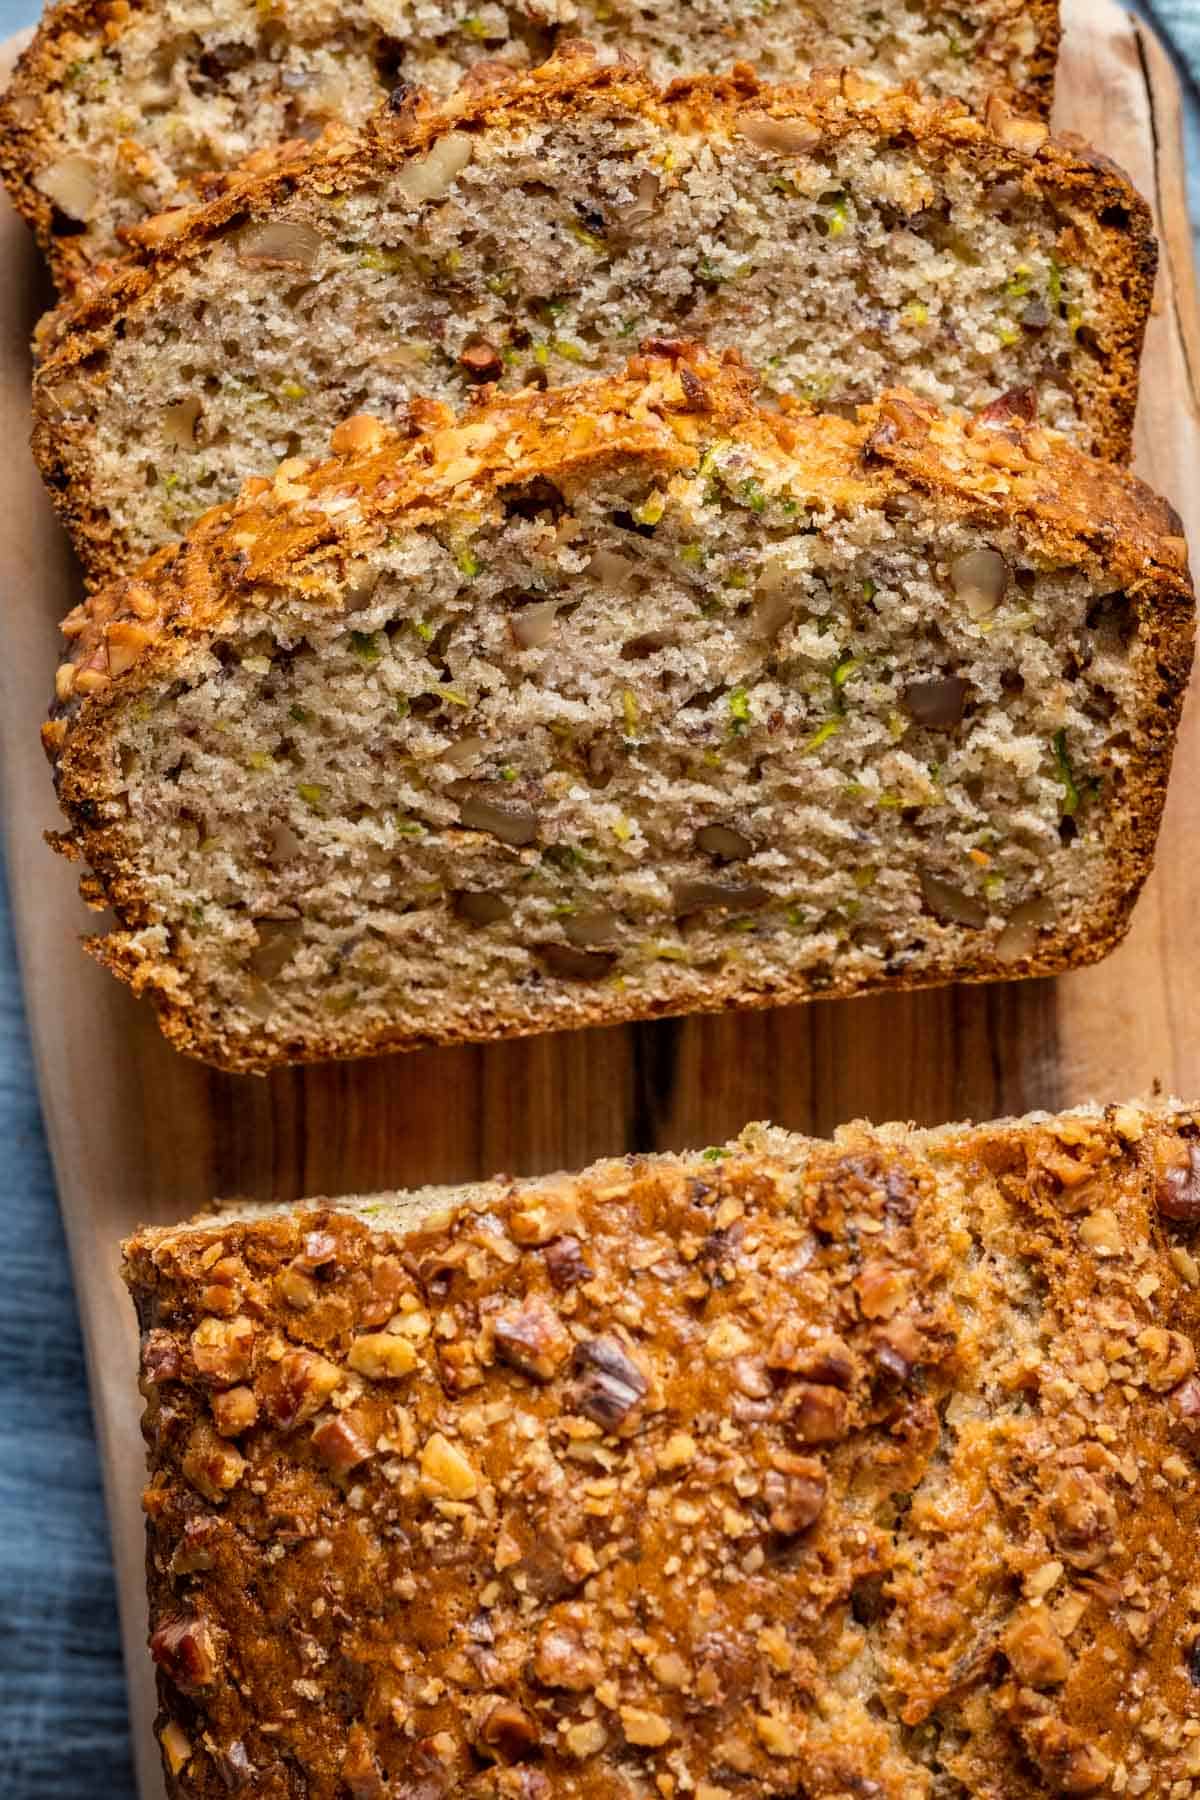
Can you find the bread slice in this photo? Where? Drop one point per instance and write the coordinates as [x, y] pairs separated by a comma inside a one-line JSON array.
[[836, 234], [113, 112], [863, 1467], [617, 701]]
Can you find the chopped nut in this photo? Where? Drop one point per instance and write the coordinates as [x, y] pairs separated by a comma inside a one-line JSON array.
[[382, 1356], [211, 1465], [532, 1338], [669, 1669], [445, 1470], [161, 1360], [817, 1415], [643, 1727], [482, 361], [1066, 1759], [73, 184], [176, 1747], [610, 1386], [566, 1264], [587, 1739], [340, 1444], [234, 1411], [296, 1289], [1101, 1232], [795, 1491], [1036, 1652], [777, 1736], [360, 1770], [727, 1338], [1084, 1519], [980, 580], [223, 1349], [278, 244], [184, 1650], [1170, 1357], [827, 1359], [358, 435], [508, 1732], [1178, 1190], [677, 1452], [296, 1387], [1020, 133], [542, 1213], [786, 137], [562, 1660]]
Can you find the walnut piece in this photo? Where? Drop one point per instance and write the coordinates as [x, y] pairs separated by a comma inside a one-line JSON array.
[[297, 1386], [184, 1650], [609, 1384], [223, 1349], [532, 1338], [212, 1466]]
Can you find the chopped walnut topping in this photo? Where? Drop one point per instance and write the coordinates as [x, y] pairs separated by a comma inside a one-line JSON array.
[[1178, 1191], [340, 1443], [644, 1727], [1036, 1652], [223, 1349], [1084, 1518], [234, 1411], [532, 1338], [542, 1215], [566, 1263], [817, 1415], [212, 1466], [1169, 1356], [609, 1385], [915, 1482], [293, 1389], [508, 1732], [382, 1356], [161, 1360], [184, 1650], [795, 1490], [445, 1470]]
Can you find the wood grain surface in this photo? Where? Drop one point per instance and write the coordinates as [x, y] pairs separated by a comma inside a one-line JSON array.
[[139, 1134]]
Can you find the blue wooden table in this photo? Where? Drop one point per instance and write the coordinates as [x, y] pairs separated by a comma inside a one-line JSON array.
[[63, 1730]]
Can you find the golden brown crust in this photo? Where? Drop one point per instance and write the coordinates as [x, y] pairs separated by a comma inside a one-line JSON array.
[[29, 140], [1106, 224], [792, 1467], [126, 638]]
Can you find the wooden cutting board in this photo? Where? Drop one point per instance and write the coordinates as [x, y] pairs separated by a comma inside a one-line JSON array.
[[140, 1134]]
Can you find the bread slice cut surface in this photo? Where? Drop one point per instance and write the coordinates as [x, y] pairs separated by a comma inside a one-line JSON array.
[[789, 1467], [110, 116], [838, 235], [618, 701]]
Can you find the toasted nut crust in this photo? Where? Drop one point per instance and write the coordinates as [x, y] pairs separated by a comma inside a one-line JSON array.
[[647, 1552]]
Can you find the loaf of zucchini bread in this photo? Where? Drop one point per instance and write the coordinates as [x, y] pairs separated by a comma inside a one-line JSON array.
[[863, 1467], [839, 235], [115, 109], [617, 701]]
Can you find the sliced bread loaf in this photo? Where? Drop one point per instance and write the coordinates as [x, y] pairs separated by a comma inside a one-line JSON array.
[[618, 701], [836, 234], [864, 1467], [115, 109]]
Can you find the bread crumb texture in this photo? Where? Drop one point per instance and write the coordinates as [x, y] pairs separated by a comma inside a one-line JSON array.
[[864, 1467], [611, 702], [117, 109], [840, 235]]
